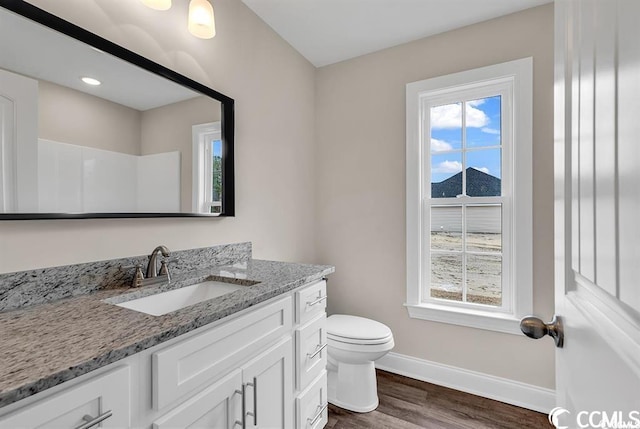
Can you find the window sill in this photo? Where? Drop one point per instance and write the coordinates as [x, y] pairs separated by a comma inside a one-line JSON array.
[[472, 318]]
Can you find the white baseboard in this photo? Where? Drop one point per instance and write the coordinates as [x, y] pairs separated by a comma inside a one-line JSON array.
[[489, 386]]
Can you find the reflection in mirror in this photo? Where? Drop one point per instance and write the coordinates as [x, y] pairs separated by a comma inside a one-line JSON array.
[[124, 141], [207, 168]]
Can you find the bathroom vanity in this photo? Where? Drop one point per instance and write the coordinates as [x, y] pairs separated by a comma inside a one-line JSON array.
[[253, 357]]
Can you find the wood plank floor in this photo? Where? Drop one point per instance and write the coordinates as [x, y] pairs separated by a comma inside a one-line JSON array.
[[411, 404]]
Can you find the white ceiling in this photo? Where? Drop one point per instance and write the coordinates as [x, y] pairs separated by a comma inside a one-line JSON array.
[[33, 50], [329, 31]]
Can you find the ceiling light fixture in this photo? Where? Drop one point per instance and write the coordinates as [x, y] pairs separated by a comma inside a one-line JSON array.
[[158, 4], [90, 81], [201, 21]]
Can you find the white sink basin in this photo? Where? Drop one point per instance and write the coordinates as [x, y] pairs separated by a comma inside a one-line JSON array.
[[166, 302]]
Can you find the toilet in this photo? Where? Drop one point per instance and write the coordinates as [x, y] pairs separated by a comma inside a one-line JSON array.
[[354, 344]]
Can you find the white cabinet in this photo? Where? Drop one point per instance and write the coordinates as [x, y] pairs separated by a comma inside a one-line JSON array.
[[311, 350], [218, 406], [311, 356], [311, 301], [268, 381], [187, 365], [255, 370], [311, 404], [103, 400], [258, 395]]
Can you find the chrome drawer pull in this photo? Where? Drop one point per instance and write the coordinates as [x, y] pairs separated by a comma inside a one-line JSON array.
[[242, 422], [94, 421], [255, 401], [317, 301], [318, 416], [319, 349]]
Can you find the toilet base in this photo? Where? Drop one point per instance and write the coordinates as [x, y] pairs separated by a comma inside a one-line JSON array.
[[353, 387]]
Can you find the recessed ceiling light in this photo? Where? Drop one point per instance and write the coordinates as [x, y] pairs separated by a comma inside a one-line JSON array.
[[90, 81], [158, 4]]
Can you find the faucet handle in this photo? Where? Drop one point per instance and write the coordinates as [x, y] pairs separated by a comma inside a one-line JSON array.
[[164, 267], [138, 276]]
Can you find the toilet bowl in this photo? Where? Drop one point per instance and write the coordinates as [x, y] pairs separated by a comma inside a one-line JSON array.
[[354, 344]]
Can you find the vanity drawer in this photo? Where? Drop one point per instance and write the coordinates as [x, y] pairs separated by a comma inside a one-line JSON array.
[[311, 350], [106, 397], [201, 359], [311, 301], [311, 405]]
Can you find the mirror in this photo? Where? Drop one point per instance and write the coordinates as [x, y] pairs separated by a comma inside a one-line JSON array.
[[89, 129]]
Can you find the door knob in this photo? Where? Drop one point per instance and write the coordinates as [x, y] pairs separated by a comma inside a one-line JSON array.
[[533, 327]]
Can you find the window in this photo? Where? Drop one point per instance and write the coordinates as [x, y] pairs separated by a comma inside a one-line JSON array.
[[469, 256], [207, 168]]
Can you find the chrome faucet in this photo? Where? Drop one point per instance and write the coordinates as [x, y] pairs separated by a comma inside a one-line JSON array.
[[152, 268]]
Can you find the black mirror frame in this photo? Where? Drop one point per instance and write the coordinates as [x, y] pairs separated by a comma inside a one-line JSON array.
[[227, 119]]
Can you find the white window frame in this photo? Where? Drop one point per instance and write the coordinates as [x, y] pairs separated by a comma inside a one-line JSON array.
[[202, 135], [513, 81]]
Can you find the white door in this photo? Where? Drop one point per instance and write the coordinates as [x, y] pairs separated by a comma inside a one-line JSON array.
[[597, 157], [268, 381], [18, 143]]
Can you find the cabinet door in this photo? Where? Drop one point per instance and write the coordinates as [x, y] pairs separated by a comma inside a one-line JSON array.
[[105, 396], [268, 383], [219, 407]]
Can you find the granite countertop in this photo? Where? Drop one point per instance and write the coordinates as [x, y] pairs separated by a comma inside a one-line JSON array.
[[47, 344]]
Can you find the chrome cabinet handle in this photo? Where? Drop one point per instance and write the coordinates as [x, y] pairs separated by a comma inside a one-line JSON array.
[[534, 327], [318, 350], [242, 422], [94, 421], [317, 301], [255, 401], [318, 416]]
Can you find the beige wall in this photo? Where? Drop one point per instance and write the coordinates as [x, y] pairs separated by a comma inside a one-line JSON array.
[[360, 187], [168, 128], [69, 116], [353, 175], [273, 87]]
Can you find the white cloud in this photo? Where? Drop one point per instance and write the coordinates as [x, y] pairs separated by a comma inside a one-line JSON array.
[[448, 167], [476, 118], [490, 130], [440, 145], [449, 116], [483, 169], [476, 102]]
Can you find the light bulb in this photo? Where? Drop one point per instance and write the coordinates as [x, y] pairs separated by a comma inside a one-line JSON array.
[[201, 19], [157, 4], [90, 81]]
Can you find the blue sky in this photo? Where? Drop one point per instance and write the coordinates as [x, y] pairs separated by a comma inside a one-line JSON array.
[[217, 147], [482, 131]]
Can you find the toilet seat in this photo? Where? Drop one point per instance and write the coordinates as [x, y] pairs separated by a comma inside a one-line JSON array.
[[358, 341], [356, 330], [361, 348]]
